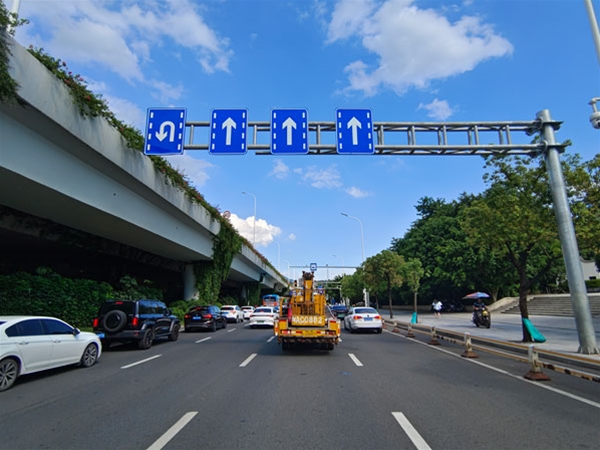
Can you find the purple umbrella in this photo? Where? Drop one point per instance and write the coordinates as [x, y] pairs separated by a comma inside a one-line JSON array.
[[476, 295]]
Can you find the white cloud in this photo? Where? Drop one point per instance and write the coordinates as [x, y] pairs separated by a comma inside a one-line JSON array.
[[412, 46], [280, 169], [292, 237], [356, 192], [322, 178], [262, 235], [437, 109], [122, 36], [196, 170]]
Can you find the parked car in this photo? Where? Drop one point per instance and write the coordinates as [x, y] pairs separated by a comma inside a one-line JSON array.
[[233, 313], [363, 318], [135, 321], [263, 316], [247, 310], [31, 344], [205, 317], [339, 311]]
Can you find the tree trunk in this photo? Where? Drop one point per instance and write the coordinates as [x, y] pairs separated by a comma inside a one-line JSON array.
[[389, 291]]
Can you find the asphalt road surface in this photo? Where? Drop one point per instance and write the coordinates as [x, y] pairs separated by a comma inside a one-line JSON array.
[[236, 389]]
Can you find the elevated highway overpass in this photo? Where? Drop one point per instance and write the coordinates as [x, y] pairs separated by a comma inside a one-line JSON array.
[[62, 174]]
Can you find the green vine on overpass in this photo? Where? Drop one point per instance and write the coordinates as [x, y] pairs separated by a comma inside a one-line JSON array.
[[210, 275], [8, 86]]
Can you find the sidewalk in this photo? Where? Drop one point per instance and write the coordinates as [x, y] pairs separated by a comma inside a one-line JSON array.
[[560, 332]]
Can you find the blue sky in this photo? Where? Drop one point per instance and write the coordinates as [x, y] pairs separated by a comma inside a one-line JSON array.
[[408, 61]]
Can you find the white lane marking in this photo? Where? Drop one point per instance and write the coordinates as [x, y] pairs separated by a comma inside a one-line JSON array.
[[202, 340], [410, 431], [504, 372], [271, 338], [231, 329], [248, 359], [171, 432], [140, 362], [355, 359]]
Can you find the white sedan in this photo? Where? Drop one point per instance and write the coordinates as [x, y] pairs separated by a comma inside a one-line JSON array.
[[263, 316], [233, 313], [363, 318], [31, 344], [247, 310]]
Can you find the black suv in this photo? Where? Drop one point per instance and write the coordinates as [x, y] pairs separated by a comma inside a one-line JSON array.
[[140, 321], [206, 317]]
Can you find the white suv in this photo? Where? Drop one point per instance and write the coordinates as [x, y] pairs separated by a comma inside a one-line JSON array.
[[233, 313]]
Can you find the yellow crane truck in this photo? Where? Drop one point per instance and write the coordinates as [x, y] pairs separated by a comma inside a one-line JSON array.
[[304, 318]]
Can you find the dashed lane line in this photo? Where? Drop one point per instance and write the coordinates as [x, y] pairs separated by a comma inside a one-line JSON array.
[[171, 432], [355, 359], [140, 362], [248, 359], [410, 431], [202, 340]]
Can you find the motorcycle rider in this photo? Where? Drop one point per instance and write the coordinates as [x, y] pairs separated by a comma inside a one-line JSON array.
[[478, 305]]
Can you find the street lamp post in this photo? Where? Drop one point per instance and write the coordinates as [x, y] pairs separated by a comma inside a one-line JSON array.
[[362, 246], [254, 217], [362, 237]]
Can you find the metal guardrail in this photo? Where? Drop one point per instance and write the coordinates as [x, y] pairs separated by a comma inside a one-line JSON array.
[[536, 358]]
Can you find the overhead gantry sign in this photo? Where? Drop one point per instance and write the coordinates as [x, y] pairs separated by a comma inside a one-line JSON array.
[[354, 133]]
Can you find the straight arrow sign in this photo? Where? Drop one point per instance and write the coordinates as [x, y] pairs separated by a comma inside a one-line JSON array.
[[289, 131], [290, 126], [228, 125], [354, 123], [354, 131]]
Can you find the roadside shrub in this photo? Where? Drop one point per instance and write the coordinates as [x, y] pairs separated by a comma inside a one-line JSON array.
[[76, 301]]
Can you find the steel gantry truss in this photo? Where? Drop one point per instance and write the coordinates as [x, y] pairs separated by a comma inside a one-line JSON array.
[[406, 138]]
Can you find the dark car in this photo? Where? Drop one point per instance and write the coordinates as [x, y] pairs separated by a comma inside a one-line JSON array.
[[204, 318], [135, 321], [339, 311]]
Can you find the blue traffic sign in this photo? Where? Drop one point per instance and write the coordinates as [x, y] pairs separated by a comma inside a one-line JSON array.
[[165, 131], [289, 131], [228, 129], [354, 131]]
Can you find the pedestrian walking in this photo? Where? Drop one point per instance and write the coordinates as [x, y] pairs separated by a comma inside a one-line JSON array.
[[437, 308]]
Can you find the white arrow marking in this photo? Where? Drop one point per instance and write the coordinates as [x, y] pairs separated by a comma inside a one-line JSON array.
[[229, 124], [163, 134], [354, 123], [289, 124]]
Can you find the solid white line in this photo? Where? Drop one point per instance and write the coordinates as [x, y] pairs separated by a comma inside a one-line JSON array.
[[410, 431], [534, 383], [248, 359], [271, 338], [141, 362], [202, 340], [171, 432], [355, 359]]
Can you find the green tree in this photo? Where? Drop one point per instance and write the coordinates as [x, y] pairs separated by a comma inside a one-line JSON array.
[[352, 286], [514, 218], [385, 268], [413, 272]]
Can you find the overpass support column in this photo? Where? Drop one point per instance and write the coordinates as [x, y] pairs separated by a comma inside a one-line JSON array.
[[189, 283]]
